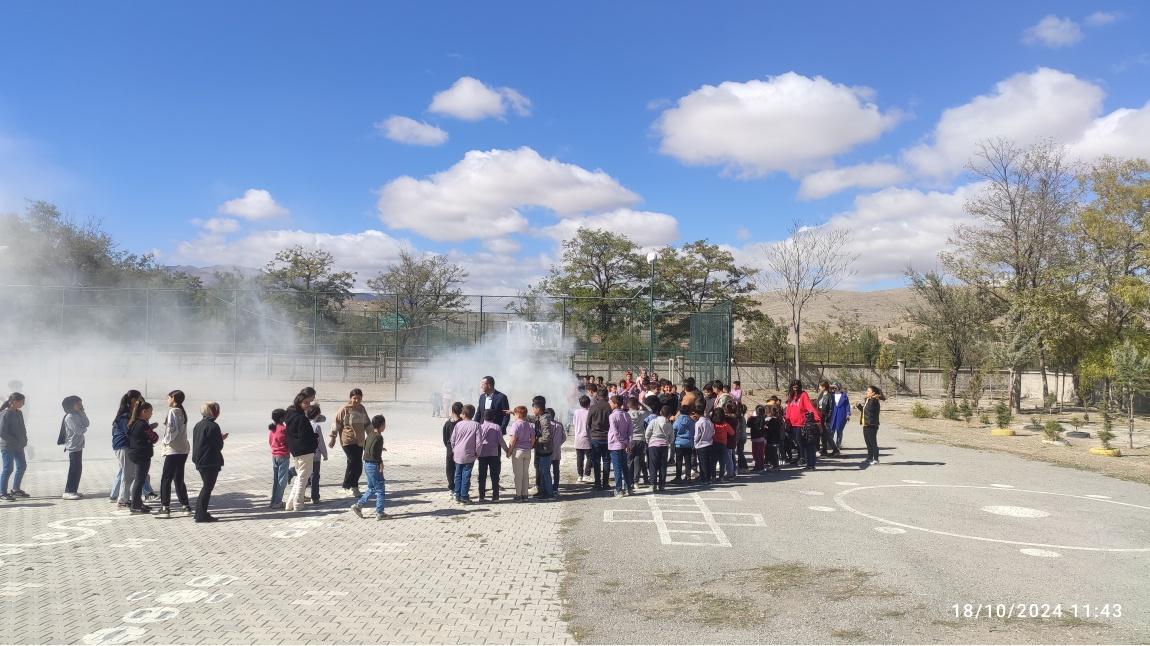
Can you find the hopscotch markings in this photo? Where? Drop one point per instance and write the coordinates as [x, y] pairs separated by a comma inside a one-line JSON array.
[[386, 548], [688, 523], [320, 598], [10, 589], [117, 635]]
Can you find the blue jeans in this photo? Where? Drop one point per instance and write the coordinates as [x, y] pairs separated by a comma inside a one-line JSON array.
[[810, 451], [375, 486], [729, 463], [12, 457], [280, 467], [122, 459], [543, 472], [462, 490], [837, 432], [622, 473]]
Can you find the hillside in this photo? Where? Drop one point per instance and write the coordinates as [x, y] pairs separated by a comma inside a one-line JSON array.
[[885, 309]]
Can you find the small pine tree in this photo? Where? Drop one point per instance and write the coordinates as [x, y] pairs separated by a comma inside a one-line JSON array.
[[1002, 415], [1107, 432]]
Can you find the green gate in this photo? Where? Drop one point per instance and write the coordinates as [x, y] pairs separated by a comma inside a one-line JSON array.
[[709, 351]]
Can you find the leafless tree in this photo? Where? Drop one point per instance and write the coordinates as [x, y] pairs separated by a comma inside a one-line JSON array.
[[809, 262]]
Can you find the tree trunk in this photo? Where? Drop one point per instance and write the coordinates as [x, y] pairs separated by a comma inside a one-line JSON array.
[[1076, 384], [1016, 391], [1042, 367], [952, 386], [775, 366], [798, 344], [1130, 421]]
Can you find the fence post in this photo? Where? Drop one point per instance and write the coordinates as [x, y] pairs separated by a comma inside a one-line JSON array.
[[314, 338], [482, 327], [395, 338]]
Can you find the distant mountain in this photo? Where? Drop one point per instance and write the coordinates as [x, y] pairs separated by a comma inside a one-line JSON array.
[[885, 310]]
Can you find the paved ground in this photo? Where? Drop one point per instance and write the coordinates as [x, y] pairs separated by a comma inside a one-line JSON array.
[[838, 555]]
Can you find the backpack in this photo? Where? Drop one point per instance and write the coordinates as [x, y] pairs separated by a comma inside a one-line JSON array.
[[811, 430]]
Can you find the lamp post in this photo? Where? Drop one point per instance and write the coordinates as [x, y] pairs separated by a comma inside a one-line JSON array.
[[651, 256]]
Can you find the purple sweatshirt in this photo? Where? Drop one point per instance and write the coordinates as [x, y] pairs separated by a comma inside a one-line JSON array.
[[465, 442], [491, 440], [522, 433], [620, 430], [558, 437], [581, 430]]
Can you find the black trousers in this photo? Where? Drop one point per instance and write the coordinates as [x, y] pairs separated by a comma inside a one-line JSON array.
[[657, 466], [141, 467], [209, 477], [555, 477], [450, 470], [75, 468], [684, 455], [582, 465], [773, 455], [637, 462], [601, 463], [828, 440], [354, 470], [741, 454], [870, 436], [315, 480], [492, 464], [174, 474]]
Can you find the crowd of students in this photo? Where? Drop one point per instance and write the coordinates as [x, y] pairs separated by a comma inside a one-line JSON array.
[[637, 429]]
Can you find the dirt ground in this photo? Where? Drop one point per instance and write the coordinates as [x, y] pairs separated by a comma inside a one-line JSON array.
[[1134, 464]]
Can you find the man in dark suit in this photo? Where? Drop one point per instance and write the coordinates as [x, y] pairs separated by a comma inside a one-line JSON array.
[[491, 398]]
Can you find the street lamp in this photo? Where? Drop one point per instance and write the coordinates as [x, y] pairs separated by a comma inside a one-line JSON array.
[[651, 256]]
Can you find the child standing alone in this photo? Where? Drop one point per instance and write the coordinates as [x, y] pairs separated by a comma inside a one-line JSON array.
[[281, 457], [373, 467]]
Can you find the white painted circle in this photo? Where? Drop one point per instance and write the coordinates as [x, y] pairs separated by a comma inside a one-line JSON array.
[[847, 484], [93, 522], [839, 499], [182, 596], [1002, 486], [890, 530], [811, 493], [211, 580], [915, 481], [150, 615], [1047, 554], [117, 635], [1016, 512], [1097, 497], [139, 595], [50, 536], [816, 508]]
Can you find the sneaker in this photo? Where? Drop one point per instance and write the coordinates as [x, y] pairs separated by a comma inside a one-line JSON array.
[[151, 496], [207, 519], [312, 501], [381, 516], [618, 494], [71, 496], [186, 509], [356, 492], [164, 512], [20, 493], [631, 491], [357, 510], [140, 510], [7, 496]]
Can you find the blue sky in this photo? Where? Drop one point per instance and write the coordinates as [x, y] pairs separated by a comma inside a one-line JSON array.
[[151, 117]]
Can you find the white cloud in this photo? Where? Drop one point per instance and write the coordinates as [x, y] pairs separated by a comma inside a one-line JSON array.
[[743, 233], [827, 182], [256, 204], [482, 195], [645, 228], [789, 123], [502, 245], [406, 130], [1053, 31], [219, 226], [365, 252], [892, 228], [1123, 133], [471, 100], [1100, 18], [1046, 103]]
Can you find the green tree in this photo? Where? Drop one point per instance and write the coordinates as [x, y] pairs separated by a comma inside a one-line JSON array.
[[1130, 372], [883, 363], [425, 291], [1017, 250], [600, 271], [305, 280], [765, 340], [956, 317], [695, 276]]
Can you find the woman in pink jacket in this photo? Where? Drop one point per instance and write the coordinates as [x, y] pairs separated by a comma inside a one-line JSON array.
[[795, 414]]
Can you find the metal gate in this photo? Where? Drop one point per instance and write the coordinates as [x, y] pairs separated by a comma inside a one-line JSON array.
[[709, 351]]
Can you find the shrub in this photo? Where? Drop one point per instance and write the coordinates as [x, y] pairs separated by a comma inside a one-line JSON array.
[[922, 412], [1076, 422], [1107, 432], [965, 410], [1049, 401], [949, 410], [984, 419], [1002, 415], [1035, 423], [1053, 430]]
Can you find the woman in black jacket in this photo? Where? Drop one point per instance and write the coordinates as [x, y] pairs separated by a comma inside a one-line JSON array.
[[208, 456], [826, 406], [870, 412], [141, 437]]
